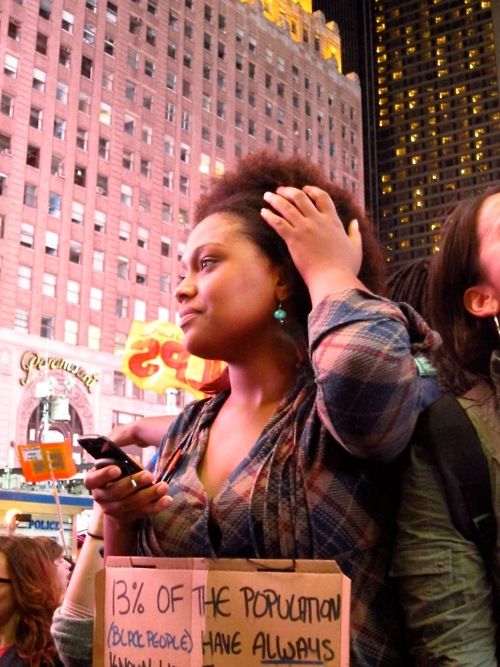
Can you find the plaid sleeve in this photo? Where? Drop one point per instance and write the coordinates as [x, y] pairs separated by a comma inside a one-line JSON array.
[[369, 391]]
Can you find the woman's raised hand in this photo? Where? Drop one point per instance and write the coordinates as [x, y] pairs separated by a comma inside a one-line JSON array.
[[327, 257]]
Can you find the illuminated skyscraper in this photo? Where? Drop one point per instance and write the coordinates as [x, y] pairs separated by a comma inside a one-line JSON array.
[[430, 73]]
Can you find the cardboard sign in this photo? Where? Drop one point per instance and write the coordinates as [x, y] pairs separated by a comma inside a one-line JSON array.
[[181, 612], [41, 461], [155, 359]]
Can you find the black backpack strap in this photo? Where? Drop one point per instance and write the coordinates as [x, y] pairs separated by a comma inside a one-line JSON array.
[[446, 430]]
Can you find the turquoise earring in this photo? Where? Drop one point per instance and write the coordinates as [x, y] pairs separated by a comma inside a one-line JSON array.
[[280, 314]]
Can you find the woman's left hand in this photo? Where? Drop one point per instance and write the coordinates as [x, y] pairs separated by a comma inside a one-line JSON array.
[[327, 257]]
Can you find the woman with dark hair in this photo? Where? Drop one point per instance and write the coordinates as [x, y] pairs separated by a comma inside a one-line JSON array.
[[448, 588], [320, 389], [29, 594]]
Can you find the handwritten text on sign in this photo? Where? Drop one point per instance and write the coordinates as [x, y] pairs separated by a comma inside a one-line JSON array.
[[223, 618]]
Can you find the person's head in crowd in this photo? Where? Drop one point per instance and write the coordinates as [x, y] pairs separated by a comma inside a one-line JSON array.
[[409, 284], [29, 595], [464, 290], [56, 554], [238, 198]]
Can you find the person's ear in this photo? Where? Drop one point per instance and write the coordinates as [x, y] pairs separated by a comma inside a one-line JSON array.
[[481, 301], [283, 286]]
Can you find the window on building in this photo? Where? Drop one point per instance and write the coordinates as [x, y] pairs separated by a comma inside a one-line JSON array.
[[71, 332], [3, 184], [139, 310], [75, 252], [170, 112], [146, 167], [30, 195], [109, 45], [24, 277], [41, 43], [111, 12], [45, 9], [105, 113], [188, 30], [141, 274], [47, 326], [147, 101], [144, 202], [168, 179], [51, 243], [142, 237], [186, 121], [14, 30], [21, 321], [77, 212], [99, 222], [184, 184], [57, 166], [10, 66], [84, 103], [103, 148], [128, 125], [107, 80], [173, 20], [133, 59], [33, 156], [127, 160], [121, 309], [27, 235], [39, 78], [98, 260], [82, 138], [67, 21], [134, 25], [165, 283], [122, 267], [94, 337], [89, 33], [183, 216], [102, 185], [165, 246], [150, 35], [73, 292], [149, 67], [166, 212], [65, 56], [126, 193], [62, 90], [59, 128], [124, 230], [86, 67], [95, 302], [55, 201], [7, 105], [49, 285]]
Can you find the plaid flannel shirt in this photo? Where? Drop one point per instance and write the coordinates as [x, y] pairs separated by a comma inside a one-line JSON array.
[[319, 482]]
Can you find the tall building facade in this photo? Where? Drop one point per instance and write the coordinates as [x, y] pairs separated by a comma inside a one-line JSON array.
[[113, 118], [430, 74]]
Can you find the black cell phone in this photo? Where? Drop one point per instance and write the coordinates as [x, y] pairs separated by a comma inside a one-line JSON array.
[[105, 453]]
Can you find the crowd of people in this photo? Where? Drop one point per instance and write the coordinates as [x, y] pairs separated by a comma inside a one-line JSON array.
[[303, 448]]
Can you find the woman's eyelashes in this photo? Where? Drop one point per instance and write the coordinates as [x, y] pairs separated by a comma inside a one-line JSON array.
[[207, 262]]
